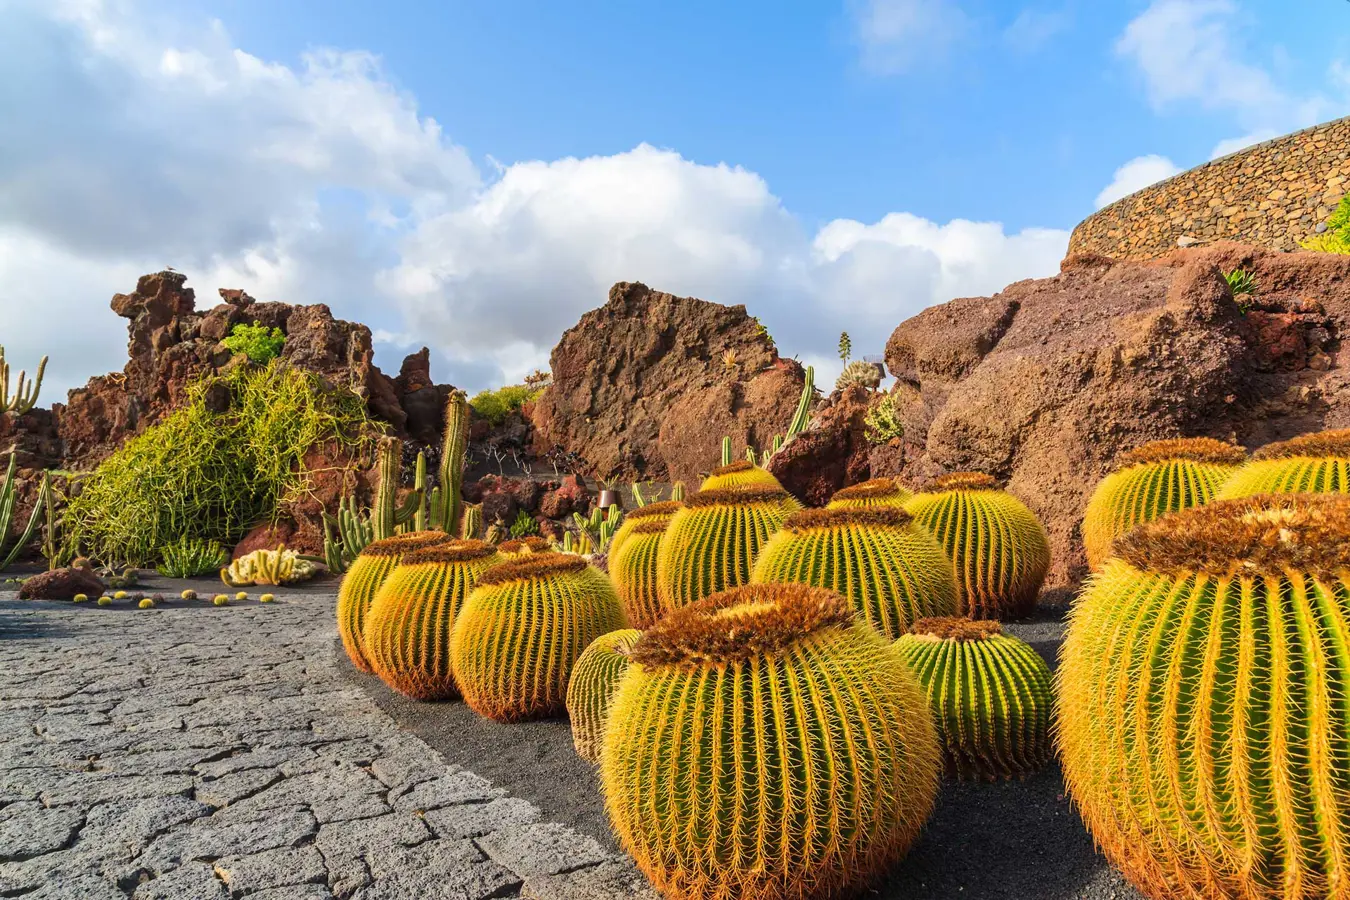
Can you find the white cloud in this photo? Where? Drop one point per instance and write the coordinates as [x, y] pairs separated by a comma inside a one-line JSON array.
[[1034, 28], [1233, 145], [1136, 175], [896, 35]]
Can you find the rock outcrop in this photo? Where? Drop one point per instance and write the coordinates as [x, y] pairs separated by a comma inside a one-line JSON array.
[[646, 386], [832, 453], [1045, 384]]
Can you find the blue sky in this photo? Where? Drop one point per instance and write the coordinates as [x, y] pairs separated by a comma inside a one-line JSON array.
[[472, 176]]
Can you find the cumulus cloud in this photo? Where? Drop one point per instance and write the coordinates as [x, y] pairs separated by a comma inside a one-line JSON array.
[[1233, 145], [1136, 175], [896, 35]]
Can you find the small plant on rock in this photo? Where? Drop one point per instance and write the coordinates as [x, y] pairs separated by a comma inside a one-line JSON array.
[[496, 405], [524, 524], [189, 557], [883, 421], [258, 342], [1336, 236]]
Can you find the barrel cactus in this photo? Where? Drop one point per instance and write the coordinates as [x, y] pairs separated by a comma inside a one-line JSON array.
[[990, 694], [877, 492], [765, 744], [859, 372], [1312, 463], [407, 631], [738, 474], [522, 629], [1203, 720], [364, 577], [633, 569], [594, 680], [891, 570], [998, 546], [1151, 481], [524, 546], [711, 544], [662, 511]]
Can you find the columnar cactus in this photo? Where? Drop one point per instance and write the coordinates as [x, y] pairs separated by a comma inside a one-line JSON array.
[[1311, 463], [736, 474], [877, 492], [522, 629], [386, 515], [1203, 721], [633, 569], [364, 577], [407, 630], [711, 544], [999, 547], [1151, 481], [990, 694], [445, 513], [764, 744], [594, 680], [891, 570], [662, 511]]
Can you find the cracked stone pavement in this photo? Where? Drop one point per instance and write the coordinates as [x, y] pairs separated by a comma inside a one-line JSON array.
[[205, 754]]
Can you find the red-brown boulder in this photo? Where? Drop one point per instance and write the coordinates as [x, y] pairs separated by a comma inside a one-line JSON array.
[[832, 453], [61, 584]]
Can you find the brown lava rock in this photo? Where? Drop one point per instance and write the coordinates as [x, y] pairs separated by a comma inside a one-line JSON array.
[[61, 584]]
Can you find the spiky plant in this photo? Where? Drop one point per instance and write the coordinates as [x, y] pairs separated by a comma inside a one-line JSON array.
[[663, 511], [524, 546], [633, 569], [859, 372], [1203, 720], [594, 680], [1158, 478], [736, 474], [364, 577], [877, 492], [890, 569], [522, 629], [711, 544], [1316, 463], [407, 630], [764, 744], [990, 694], [999, 548]]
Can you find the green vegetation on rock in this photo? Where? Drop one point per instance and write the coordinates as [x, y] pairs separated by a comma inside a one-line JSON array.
[[258, 342], [496, 405]]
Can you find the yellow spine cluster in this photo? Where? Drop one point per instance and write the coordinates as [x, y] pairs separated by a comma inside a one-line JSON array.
[[364, 577], [594, 680]]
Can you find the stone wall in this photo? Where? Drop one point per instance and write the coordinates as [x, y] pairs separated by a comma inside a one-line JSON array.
[[1274, 194]]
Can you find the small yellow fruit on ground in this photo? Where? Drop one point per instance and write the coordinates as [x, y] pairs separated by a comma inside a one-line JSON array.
[[120, 595], [266, 598], [105, 601], [146, 603], [80, 598], [220, 600]]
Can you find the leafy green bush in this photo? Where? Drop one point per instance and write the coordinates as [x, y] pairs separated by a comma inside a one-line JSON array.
[[496, 405], [1336, 239], [883, 421], [524, 525], [259, 343], [189, 558], [1243, 286]]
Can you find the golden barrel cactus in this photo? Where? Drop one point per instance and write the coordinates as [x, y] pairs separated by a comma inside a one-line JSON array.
[[1203, 687], [364, 577], [1151, 481], [990, 693], [877, 492], [522, 629], [766, 744], [890, 569], [595, 678], [517, 547], [738, 474], [998, 546], [633, 569], [663, 512], [711, 544], [407, 631], [1309, 464]]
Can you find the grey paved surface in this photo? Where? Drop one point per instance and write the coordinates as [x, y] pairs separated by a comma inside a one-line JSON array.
[[215, 753]]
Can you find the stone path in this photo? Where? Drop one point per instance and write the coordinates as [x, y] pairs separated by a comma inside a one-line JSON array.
[[204, 754]]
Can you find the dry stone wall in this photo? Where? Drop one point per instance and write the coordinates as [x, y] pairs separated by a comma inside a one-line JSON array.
[[1275, 194]]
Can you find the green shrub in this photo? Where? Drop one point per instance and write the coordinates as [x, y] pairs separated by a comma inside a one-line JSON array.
[[188, 558], [496, 405], [1336, 239], [259, 343], [524, 525], [883, 421]]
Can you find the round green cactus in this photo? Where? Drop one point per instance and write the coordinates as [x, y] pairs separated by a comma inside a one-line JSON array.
[[999, 548], [1203, 720], [633, 569], [1151, 481], [663, 512], [764, 744], [891, 570], [990, 694], [408, 627], [1309, 464], [364, 577], [711, 544], [146, 603], [738, 474], [104, 601], [522, 629], [877, 492], [594, 680]]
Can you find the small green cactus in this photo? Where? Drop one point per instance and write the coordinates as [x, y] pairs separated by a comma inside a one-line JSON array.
[[104, 601], [121, 595], [81, 598], [266, 598], [241, 596], [220, 600], [594, 680], [188, 595], [859, 372], [146, 603]]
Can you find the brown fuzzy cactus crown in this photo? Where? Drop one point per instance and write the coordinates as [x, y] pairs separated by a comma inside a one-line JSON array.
[[1319, 444], [1201, 450], [400, 544], [741, 494], [955, 628], [869, 490], [740, 465], [530, 544], [966, 481], [650, 526], [867, 516], [456, 551], [664, 508], [533, 565]]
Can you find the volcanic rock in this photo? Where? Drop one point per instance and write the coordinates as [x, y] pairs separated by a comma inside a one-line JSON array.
[[832, 453], [61, 584]]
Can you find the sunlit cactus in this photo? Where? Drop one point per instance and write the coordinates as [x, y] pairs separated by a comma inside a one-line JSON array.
[[990, 694], [1316, 463], [737, 474], [877, 492], [364, 577], [524, 546], [663, 511], [1203, 721], [633, 569], [1151, 481], [408, 627], [999, 548], [766, 745], [890, 569], [594, 680], [523, 628]]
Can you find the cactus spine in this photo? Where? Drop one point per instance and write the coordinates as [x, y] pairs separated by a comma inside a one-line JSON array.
[[677, 492], [727, 454], [877, 492], [407, 631], [662, 510], [594, 680], [1203, 724], [364, 577], [999, 548], [8, 498], [471, 523], [736, 474], [420, 517], [891, 571], [633, 569], [274, 567], [990, 694], [446, 514], [1312, 463], [25, 393], [523, 628], [387, 515], [792, 740], [1151, 481]]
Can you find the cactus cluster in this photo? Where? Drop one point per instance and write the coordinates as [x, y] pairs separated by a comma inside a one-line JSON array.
[[1202, 685], [877, 492], [25, 394], [595, 678], [1151, 481], [274, 567], [8, 501], [1311, 463], [633, 558], [999, 548], [763, 744], [859, 372], [364, 577], [990, 693], [891, 571]]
